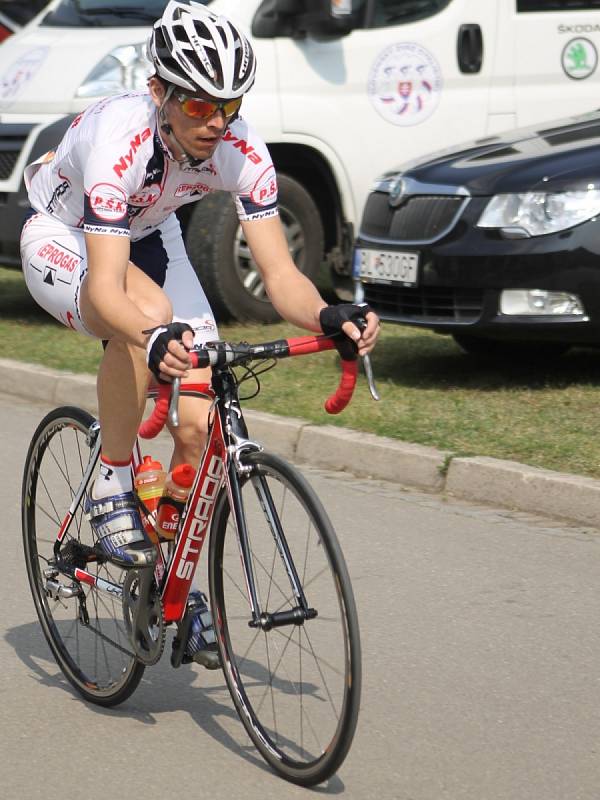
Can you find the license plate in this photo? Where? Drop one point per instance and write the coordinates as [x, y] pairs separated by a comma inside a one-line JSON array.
[[387, 266]]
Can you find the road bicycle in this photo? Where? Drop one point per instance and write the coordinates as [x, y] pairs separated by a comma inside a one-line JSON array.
[[284, 613]]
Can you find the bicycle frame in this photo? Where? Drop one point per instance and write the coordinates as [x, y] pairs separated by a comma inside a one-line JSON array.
[[221, 464]]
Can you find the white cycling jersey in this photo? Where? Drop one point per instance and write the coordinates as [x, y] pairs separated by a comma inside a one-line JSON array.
[[112, 173]]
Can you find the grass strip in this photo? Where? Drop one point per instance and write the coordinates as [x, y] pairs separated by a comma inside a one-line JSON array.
[[542, 414]]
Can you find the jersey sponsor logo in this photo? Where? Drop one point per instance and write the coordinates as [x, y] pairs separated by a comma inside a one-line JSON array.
[[243, 146], [57, 256], [126, 161], [107, 229], [405, 84], [191, 189], [146, 197], [264, 192], [108, 202], [252, 212], [58, 192], [210, 168]]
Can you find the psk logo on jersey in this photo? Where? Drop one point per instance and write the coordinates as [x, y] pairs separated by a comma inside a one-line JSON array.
[[264, 192], [108, 202], [405, 84]]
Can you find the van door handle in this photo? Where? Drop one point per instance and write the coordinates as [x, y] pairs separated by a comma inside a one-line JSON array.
[[470, 48]]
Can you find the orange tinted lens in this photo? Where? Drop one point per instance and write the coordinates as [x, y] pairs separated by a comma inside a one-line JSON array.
[[232, 106], [195, 107]]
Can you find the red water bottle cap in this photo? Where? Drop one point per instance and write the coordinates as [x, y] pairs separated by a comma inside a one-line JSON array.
[[183, 475], [149, 464]]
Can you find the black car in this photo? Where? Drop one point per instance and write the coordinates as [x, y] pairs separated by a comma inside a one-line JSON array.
[[496, 243]]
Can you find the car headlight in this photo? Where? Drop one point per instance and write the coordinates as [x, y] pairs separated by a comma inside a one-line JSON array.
[[538, 213], [384, 182], [125, 67]]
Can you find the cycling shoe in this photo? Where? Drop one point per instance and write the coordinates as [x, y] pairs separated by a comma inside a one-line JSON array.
[[201, 646], [121, 536]]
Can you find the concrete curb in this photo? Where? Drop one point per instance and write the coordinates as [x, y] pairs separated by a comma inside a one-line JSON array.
[[483, 480]]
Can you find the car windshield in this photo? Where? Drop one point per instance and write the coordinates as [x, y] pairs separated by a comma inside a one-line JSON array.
[[97, 13], [20, 12]]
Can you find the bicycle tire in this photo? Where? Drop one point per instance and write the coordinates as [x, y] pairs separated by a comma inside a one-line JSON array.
[[263, 678], [95, 658]]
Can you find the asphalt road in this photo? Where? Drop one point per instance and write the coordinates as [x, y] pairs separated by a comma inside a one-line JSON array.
[[481, 651]]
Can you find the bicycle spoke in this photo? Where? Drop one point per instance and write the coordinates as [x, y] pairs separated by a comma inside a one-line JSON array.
[[95, 657], [295, 685]]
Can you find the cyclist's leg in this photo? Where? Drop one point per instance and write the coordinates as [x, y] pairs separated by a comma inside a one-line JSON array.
[[182, 287], [123, 375], [54, 264]]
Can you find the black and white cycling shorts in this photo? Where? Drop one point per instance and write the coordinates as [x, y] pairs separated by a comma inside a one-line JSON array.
[[55, 264]]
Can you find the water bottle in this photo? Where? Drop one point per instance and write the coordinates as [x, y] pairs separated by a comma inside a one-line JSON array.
[[177, 487], [149, 483]]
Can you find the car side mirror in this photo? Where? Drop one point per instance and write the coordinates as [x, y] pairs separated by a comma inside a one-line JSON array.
[[321, 19]]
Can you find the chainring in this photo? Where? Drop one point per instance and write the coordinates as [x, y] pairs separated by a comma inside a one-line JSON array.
[[143, 616]]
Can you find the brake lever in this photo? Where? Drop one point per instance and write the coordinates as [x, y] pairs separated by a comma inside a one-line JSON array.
[[361, 324], [174, 403], [369, 375]]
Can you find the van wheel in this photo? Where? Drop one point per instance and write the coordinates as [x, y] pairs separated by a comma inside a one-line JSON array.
[[505, 350], [221, 257]]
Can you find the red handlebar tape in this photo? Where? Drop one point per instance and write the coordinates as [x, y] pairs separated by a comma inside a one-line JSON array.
[[300, 346]]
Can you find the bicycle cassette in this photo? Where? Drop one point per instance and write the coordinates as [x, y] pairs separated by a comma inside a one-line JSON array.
[[143, 616]]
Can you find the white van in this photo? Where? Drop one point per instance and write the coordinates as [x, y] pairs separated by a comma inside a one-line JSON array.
[[345, 88]]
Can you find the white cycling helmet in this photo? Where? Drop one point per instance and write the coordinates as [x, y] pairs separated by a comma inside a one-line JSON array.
[[201, 52]]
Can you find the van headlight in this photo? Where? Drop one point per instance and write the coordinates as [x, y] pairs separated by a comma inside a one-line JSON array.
[[125, 67], [538, 213]]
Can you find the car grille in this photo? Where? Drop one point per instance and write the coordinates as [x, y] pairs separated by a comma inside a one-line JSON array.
[[425, 303], [420, 218], [12, 140]]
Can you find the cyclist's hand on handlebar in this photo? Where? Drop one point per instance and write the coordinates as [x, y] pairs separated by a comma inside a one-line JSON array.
[[358, 322], [166, 350]]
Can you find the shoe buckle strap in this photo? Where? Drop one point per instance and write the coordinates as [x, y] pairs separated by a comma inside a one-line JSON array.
[[98, 508], [125, 526]]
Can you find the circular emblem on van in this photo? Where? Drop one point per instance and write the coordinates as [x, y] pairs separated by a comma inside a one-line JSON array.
[[579, 58], [405, 84], [397, 192], [21, 72]]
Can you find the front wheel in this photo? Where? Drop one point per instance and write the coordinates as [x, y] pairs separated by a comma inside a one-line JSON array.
[[296, 687]]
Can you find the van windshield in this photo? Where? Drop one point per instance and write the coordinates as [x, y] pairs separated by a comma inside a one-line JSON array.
[[98, 13]]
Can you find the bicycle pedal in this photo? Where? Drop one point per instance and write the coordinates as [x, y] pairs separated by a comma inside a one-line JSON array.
[[208, 658]]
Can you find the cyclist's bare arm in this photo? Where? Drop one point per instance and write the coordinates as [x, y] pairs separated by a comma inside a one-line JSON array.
[[109, 303], [292, 294]]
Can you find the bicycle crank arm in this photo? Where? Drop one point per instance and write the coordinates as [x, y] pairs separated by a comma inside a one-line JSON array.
[[295, 616]]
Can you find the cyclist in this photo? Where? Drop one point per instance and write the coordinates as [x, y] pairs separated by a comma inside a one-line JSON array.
[[102, 248]]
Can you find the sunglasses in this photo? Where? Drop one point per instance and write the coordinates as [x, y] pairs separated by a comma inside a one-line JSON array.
[[203, 109]]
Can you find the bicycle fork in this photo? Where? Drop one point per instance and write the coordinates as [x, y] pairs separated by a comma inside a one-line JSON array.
[[263, 619]]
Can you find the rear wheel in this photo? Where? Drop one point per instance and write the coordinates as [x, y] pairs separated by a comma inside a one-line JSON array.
[[221, 257], [296, 687], [84, 627]]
